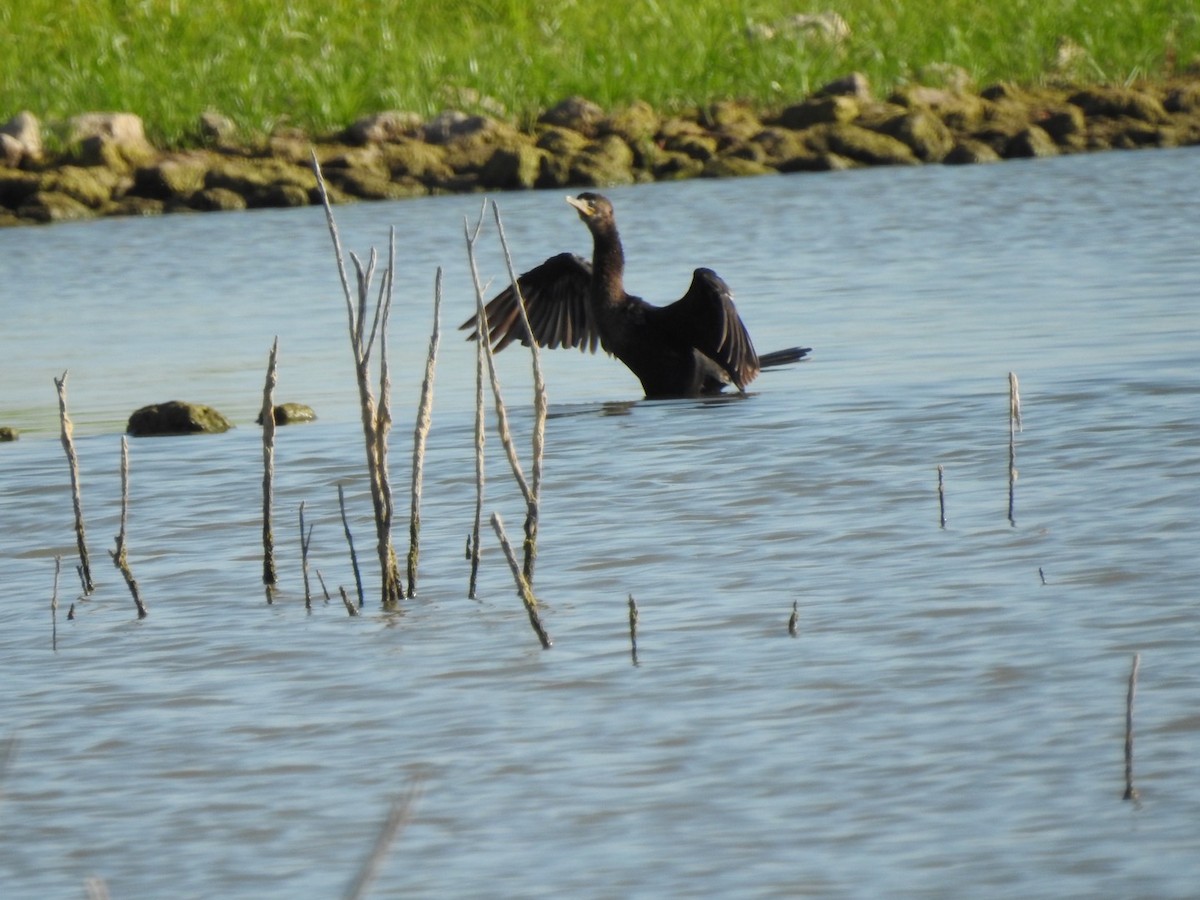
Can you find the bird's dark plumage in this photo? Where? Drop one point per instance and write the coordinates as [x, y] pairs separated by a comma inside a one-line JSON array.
[[694, 346]]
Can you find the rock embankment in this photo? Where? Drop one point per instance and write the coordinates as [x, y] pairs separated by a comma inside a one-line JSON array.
[[109, 167]]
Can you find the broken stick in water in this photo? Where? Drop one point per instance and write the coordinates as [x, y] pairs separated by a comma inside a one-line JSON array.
[[1130, 791], [268, 440], [421, 438], [523, 588], [1014, 425], [120, 557], [376, 417], [85, 568], [633, 624], [305, 542], [941, 495], [794, 618], [350, 540]]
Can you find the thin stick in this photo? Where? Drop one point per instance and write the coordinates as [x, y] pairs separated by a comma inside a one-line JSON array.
[[1014, 425], [268, 440], [305, 542], [398, 817], [421, 438], [54, 605], [350, 541], [941, 496], [324, 589], [510, 449], [119, 556], [633, 626], [85, 571], [794, 618], [1130, 791], [523, 587], [540, 409], [474, 548], [376, 419], [350, 607]]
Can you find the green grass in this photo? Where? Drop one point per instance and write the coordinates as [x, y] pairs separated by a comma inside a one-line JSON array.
[[320, 64]]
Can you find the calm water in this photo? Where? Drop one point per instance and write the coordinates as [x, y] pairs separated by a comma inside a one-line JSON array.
[[949, 720]]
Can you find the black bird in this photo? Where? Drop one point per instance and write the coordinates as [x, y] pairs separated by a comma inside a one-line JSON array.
[[694, 346]]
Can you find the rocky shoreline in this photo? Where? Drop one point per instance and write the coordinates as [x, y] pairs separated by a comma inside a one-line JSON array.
[[109, 167]]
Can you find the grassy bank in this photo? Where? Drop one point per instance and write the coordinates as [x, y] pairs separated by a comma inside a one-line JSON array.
[[320, 65]]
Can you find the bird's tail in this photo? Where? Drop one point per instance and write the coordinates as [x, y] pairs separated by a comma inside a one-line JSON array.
[[783, 357]]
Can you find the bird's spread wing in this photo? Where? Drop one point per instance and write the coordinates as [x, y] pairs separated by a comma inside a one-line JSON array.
[[556, 302], [706, 317]]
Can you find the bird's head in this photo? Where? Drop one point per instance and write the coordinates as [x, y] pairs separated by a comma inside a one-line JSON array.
[[594, 209]]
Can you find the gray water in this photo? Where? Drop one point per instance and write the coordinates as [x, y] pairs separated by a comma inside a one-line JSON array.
[[947, 722]]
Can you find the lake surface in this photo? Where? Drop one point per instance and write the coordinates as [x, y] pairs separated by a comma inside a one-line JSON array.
[[948, 720]]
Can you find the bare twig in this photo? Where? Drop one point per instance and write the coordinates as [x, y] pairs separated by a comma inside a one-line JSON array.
[[633, 626], [54, 605], [350, 541], [119, 556], [1130, 791], [421, 438], [794, 618], [1014, 425], [376, 419], [481, 349], [350, 607], [941, 495], [540, 409], [523, 588], [398, 817], [268, 440], [324, 589], [85, 568], [305, 543]]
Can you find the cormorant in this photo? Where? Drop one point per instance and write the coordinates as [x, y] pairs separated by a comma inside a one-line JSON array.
[[692, 347]]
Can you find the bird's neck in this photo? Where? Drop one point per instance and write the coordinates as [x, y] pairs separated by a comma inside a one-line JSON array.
[[608, 268]]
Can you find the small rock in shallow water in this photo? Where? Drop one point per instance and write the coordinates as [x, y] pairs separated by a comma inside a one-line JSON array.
[[176, 417], [291, 414]]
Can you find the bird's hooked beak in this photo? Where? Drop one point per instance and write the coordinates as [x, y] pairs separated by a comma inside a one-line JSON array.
[[583, 206]]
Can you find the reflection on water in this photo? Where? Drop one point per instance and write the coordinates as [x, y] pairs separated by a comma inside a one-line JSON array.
[[950, 713]]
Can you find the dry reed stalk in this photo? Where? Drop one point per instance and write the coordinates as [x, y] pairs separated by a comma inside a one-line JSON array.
[[1130, 791], [474, 549], [268, 441], [350, 607], [350, 541], [54, 605], [421, 438], [376, 418], [540, 409], [398, 817], [633, 626], [305, 543], [794, 618], [941, 473], [523, 588], [85, 568], [324, 590], [119, 556], [1014, 425]]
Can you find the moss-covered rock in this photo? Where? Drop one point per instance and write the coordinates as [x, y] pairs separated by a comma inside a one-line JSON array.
[[635, 123], [290, 414], [416, 159], [820, 111], [923, 133], [52, 206], [176, 417], [512, 168], [263, 182], [969, 152], [217, 199], [605, 161], [8, 433], [171, 178], [16, 187], [862, 146], [576, 113], [1115, 102], [1031, 142], [734, 167], [93, 187]]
